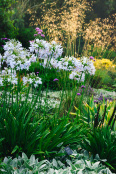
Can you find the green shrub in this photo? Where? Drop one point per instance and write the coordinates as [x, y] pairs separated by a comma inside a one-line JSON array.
[[109, 54], [101, 79], [7, 28], [49, 74], [25, 35], [16, 124], [102, 141], [22, 130]]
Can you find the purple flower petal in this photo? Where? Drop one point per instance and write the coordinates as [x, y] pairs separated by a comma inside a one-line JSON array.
[[55, 80], [91, 57], [78, 94], [42, 35], [100, 98], [82, 86], [37, 28], [39, 32]]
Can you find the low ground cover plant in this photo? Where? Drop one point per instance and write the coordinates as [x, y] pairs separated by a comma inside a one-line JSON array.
[[75, 163]]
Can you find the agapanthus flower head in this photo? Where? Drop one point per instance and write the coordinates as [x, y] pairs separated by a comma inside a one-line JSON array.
[[56, 80], [8, 76], [16, 56], [45, 50], [32, 79]]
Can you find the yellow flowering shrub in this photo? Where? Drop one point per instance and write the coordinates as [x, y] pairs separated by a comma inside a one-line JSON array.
[[105, 64]]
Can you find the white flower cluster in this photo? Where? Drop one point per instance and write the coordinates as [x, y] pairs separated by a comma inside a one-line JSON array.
[[77, 76], [83, 66], [45, 50], [16, 56], [8, 76], [70, 64], [67, 63], [88, 65], [78, 67], [31, 79], [57, 50]]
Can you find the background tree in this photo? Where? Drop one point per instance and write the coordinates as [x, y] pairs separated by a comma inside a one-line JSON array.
[[7, 28]]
